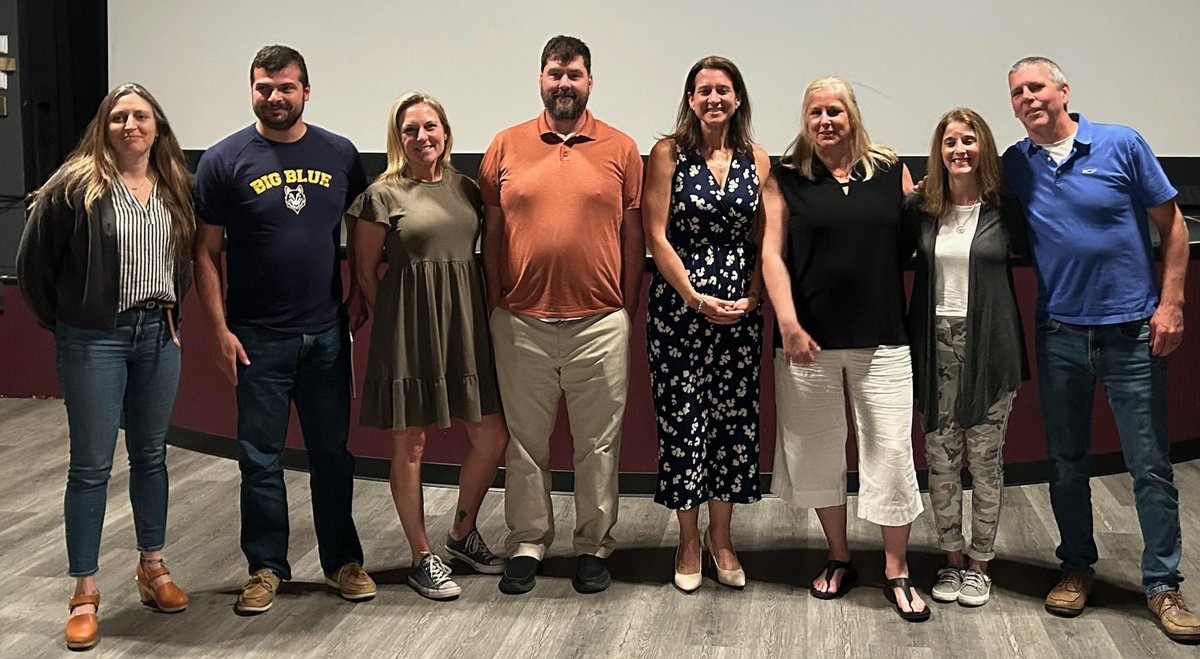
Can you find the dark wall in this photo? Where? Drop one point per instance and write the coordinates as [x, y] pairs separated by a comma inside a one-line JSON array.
[[61, 48], [12, 162], [66, 58]]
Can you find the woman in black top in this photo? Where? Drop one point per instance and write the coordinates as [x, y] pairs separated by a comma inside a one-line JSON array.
[[967, 344], [832, 265], [104, 261]]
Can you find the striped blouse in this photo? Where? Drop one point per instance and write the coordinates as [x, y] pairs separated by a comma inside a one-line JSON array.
[[145, 246]]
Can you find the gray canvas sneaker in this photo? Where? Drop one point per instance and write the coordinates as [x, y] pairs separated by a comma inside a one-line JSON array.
[[473, 551], [976, 589], [431, 578], [949, 582]]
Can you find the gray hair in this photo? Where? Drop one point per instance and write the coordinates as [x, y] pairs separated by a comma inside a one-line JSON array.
[[1056, 73]]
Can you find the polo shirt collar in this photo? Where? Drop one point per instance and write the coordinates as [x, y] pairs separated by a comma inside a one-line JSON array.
[[1083, 135], [587, 131]]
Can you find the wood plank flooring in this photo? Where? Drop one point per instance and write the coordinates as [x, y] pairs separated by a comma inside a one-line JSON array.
[[642, 615]]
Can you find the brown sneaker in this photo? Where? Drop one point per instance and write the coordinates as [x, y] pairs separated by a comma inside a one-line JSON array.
[[351, 582], [1069, 595], [258, 594], [1173, 616]]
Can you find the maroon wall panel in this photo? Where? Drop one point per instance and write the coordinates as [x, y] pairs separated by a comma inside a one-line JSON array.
[[206, 399]]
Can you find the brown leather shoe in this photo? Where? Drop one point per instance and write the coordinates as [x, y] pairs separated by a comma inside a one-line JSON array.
[[83, 630], [166, 597], [1070, 594], [1176, 621], [258, 594], [351, 582]]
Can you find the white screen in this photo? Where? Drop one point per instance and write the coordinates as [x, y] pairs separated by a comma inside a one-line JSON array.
[[1127, 62]]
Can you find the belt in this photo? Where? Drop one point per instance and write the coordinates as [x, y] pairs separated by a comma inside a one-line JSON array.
[[151, 305]]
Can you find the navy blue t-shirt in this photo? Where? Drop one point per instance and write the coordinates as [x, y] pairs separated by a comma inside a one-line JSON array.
[[281, 205]]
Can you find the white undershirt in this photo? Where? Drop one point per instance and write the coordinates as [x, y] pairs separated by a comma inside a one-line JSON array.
[[1061, 149], [951, 259]]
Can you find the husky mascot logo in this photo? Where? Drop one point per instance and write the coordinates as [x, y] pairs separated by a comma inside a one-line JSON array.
[[294, 199]]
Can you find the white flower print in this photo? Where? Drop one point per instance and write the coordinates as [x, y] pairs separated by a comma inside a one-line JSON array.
[[705, 377]]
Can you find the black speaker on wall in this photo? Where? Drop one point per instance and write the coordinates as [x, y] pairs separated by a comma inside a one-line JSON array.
[[64, 57]]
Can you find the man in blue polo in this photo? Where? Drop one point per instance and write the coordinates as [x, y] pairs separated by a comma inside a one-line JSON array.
[[1089, 192]]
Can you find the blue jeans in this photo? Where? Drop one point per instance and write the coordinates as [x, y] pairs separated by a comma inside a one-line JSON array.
[[1070, 360], [131, 371], [313, 371]]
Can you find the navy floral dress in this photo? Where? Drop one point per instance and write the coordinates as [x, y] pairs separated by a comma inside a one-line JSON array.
[[704, 376]]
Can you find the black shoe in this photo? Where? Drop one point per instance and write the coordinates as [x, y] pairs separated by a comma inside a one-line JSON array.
[[520, 575], [591, 574]]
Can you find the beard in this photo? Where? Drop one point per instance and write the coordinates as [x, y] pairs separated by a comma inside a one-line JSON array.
[[565, 105], [264, 113]]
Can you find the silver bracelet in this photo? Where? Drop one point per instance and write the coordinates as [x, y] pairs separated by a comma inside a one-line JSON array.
[[700, 305]]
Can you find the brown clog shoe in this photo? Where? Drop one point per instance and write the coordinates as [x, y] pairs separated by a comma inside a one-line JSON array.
[[166, 597], [83, 630]]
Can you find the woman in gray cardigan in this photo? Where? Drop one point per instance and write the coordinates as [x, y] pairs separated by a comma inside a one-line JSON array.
[[967, 342], [104, 262]]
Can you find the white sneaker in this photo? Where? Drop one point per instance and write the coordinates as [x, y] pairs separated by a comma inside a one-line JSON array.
[[949, 583]]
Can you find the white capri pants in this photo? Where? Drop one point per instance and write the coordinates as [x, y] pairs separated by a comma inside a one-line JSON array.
[[810, 442]]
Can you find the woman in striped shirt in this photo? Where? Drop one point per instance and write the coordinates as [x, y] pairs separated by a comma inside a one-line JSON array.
[[104, 261]]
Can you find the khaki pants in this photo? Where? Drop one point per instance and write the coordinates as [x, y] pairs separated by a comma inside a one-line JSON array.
[[537, 362]]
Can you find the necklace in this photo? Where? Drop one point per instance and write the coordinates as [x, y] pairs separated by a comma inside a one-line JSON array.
[[139, 186], [961, 215], [721, 165]]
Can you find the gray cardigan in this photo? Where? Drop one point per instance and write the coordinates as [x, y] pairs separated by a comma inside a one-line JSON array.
[[69, 267], [996, 361]]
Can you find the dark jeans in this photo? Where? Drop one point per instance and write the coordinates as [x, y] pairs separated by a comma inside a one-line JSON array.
[[1070, 360], [131, 370], [313, 371]]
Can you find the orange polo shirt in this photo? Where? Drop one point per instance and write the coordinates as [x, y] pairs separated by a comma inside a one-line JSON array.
[[562, 204]]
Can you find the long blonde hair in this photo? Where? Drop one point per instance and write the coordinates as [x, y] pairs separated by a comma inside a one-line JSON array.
[[91, 169], [398, 166], [863, 151], [936, 193]]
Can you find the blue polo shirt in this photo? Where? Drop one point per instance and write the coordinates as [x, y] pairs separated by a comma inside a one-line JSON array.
[[1088, 227]]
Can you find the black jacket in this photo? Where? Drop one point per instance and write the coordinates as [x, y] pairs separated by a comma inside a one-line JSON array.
[[69, 267], [996, 361]]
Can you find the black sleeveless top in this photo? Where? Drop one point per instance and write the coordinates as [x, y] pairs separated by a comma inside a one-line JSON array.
[[843, 256]]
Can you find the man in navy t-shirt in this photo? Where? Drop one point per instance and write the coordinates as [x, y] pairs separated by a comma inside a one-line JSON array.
[[1089, 192], [276, 190]]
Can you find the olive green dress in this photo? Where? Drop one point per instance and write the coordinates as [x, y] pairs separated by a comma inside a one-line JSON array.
[[430, 358]]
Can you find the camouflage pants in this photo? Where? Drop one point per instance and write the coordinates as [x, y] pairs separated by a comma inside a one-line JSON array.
[[944, 453]]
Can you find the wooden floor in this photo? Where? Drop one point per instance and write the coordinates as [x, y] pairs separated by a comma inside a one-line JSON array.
[[640, 616]]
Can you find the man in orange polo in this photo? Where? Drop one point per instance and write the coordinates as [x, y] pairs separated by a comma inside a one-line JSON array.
[[563, 254]]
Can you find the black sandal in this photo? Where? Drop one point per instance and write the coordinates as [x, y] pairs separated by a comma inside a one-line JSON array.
[[849, 577], [906, 585]]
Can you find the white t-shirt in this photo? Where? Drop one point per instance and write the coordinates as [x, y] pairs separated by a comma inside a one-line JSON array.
[[1061, 149], [952, 253]]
